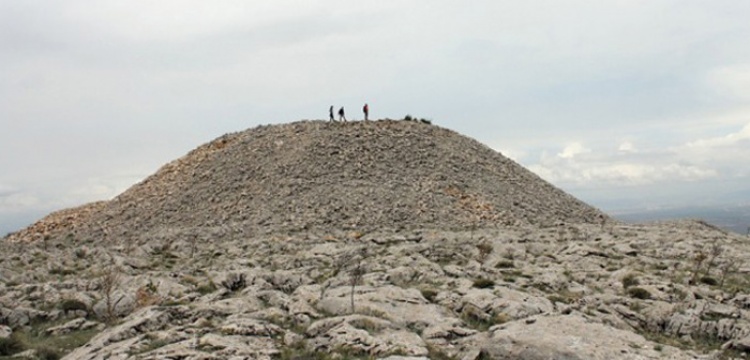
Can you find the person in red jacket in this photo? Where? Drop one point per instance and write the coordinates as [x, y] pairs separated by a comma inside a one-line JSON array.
[[366, 110]]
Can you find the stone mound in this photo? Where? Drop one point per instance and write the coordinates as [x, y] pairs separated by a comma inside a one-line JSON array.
[[315, 175]]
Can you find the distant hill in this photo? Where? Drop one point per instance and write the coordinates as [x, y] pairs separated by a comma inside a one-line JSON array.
[[734, 218]]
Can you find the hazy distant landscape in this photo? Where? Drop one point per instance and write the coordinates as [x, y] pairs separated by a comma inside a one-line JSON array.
[[732, 218]]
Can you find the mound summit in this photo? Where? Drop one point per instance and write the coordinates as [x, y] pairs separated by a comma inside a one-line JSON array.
[[315, 175]]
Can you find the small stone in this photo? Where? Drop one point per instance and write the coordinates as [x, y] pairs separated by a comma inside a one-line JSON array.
[[5, 331]]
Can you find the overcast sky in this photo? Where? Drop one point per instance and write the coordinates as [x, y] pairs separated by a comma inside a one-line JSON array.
[[624, 104]]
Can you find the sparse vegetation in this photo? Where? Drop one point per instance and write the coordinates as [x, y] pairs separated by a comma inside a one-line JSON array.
[[639, 293], [234, 282], [481, 321], [714, 252], [68, 305], [629, 280], [61, 271], [730, 266], [46, 353], [429, 294], [564, 296], [636, 306], [206, 288], [483, 283], [698, 259], [357, 272], [155, 343], [485, 249], [412, 118], [10, 346], [437, 354], [504, 264], [147, 295], [80, 253], [46, 346], [109, 282]]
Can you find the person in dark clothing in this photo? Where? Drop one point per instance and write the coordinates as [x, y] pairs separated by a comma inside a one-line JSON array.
[[366, 110], [330, 113], [341, 114]]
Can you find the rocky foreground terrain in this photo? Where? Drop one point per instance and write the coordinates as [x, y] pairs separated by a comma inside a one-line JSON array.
[[518, 270]]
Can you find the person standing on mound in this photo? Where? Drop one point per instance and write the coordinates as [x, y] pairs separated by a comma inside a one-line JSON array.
[[341, 114], [330, 114], [366, 110]]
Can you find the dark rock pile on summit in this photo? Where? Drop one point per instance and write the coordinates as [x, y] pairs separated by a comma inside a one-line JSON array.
[[347, 176]]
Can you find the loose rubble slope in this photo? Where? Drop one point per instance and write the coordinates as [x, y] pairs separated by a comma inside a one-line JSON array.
[[321, 175]]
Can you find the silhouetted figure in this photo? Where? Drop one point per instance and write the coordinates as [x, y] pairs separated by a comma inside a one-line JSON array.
[[341, 114], [366, 110], [330, 113]]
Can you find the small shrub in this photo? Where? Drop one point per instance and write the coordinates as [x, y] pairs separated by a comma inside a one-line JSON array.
[[708, 280], [155, 343], [429, 294], [190, 280], [565, 296], [485, 249], [477, 319], [438, 354], [73, 305], [234, 282], [678, 293], [630, 280], [639, 293], [108, 282], [61, 271], [483, 283], [45, 353], [206, 288], [636, 306], [10, 346], [169, 303], [557, 298], [504, 264], [80, 253], [146, 296]]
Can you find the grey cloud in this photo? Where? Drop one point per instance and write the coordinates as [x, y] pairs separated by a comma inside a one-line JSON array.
[[88, 89]]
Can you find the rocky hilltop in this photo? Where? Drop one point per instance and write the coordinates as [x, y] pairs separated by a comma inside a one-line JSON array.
[[321, 175], [371, 240]]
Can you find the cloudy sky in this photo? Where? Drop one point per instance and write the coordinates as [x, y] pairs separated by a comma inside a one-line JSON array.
[[623, 103]]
